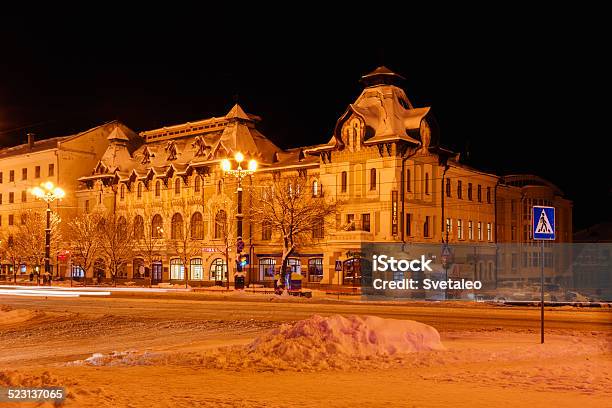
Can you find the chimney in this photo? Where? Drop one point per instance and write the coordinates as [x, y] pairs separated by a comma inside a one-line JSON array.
[[31, 140]]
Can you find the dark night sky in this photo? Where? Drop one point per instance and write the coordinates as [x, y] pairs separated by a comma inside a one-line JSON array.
[[522, 106]]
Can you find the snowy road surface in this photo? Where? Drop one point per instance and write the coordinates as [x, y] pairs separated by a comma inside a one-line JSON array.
[[491, 356]]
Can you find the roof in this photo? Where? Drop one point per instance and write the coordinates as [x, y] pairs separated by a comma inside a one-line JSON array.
[[381, 75], [523, 180], [601, 232], [44, 144]]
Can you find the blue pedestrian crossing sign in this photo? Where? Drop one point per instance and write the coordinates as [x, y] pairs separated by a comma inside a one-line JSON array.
[[543, 220]]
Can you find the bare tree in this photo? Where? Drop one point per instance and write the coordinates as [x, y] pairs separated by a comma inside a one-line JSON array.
[[116, 235], [9, 251], [221, 213], [29, 239], [292, 209], [149, 241], [183, 234], [83, 234]]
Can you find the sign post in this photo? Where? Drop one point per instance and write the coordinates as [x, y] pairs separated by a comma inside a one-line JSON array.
[[543, 222]]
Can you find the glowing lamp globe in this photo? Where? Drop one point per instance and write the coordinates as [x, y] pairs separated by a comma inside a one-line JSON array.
[[226, 165], [252, 165]]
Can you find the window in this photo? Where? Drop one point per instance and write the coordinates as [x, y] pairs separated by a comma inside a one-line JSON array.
[[122, 228], [0, 220], [266, 230], [157, 226], [138, 227], [1, 177], [176, 227], [489, 195], [177, 269], [372, 179], [11, 176], [196, 184], [315, 188], [408, 181], [448, 187], [365, 222], [37, 172], [343, 182], [86, 206], [157, 188], [0, 198], [294, 264], [470, 229], [489, 232], [197, 226], [318, 229], [479, 231], [77, 272], [11, 197], [315, 270], [177, 186], [11, 219], [426, 226], [24, 218], [449, 226], [479, 193], [350, 221], [219, 187], [460, 229], [122, 192], [266, 268], [513, 233], [470, 191], [459, 189], [220, 221], [409, 225], [24, 196], [426, 183], [51, 169], [24, 174], [195, 269], [139, 190], [138, 268], [218, 270]]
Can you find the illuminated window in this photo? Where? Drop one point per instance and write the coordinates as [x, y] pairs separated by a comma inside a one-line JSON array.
[[315, 269], [195, 269], [177, 269], [218, 270]]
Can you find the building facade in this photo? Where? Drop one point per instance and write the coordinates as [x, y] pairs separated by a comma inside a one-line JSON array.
[[384, 162]]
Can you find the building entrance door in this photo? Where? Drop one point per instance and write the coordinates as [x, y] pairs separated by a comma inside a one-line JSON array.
[[156, 272]]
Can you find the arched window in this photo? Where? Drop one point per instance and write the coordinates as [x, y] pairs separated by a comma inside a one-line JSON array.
[[177, 269], [195, 269], [220, 224], [197, 230], [315, 188], [177, 186], [176, 230], [138, 227], [196, 184], [157, 226], [122, 192], [343, 181], [139, 190], [218, 270], [157, 188], [122, 228], [372, 179], [138, 268]]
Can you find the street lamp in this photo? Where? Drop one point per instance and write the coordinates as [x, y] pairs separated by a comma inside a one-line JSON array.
[[239, 173], [48, 193]]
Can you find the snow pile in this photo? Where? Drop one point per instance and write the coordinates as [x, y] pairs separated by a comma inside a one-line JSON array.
[[14, 378], [337, 342], [115, 358]]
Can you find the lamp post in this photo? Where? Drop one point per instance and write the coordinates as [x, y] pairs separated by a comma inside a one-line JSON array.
[[48, 193], [239, 173]]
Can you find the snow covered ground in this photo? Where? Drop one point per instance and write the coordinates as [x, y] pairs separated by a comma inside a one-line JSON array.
[[121, 359]]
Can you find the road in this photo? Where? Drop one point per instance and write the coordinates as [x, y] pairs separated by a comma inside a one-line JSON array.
[[442, 316]]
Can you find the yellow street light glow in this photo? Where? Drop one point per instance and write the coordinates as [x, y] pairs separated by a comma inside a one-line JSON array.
[[48, 185], [38, 192], [239, 157], [252, 165], [226, 165], [59, 193]]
